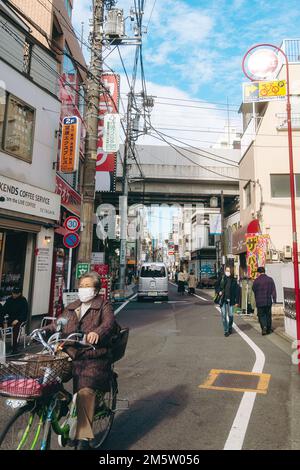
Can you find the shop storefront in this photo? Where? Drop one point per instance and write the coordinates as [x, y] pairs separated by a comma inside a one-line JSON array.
[[27, 221], [203, 263]]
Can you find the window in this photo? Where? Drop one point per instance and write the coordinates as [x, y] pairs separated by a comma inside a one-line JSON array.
[[247, 194], [17, 134], [68, 7], [2, 111], [280, 185], [153, 271]]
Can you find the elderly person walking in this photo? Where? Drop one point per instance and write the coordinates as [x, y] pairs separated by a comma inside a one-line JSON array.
[[192, 282], [181, 282], [94, 317], [265, 294]]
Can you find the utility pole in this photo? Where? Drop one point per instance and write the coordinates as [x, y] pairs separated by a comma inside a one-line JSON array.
[[93, 95], [223, 234], [124, 197]]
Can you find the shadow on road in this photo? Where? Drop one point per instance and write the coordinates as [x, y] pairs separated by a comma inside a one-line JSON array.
[[144, 415]]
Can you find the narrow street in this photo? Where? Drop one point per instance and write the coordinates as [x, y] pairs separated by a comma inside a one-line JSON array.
[[172, 348]]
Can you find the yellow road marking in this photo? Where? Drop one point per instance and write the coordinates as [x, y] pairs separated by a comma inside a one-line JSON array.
[[262, 386]]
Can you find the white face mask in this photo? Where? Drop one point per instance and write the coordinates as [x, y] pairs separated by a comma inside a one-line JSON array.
[[86, 294], [227, 273]]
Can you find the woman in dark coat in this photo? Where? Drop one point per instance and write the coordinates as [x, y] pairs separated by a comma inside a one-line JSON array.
[[94, 317]]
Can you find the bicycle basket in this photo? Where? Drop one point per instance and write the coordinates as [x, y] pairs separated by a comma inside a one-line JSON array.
[[119, 344], [32, 376]]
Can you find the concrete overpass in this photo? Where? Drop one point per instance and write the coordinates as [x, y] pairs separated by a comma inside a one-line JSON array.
[[171, 178]]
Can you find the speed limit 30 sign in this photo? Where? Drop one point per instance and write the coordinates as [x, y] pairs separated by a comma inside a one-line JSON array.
[[72, 224]]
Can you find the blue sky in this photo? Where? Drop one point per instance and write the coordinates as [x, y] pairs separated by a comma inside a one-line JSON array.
[[194, 49]]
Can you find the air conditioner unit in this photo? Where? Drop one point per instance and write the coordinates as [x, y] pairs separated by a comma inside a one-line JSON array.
[[275, 256], [288, 251]]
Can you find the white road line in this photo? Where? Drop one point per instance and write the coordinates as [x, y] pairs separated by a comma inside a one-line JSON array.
[[202, 298], [124, 305], [196, 295], [236, 437]]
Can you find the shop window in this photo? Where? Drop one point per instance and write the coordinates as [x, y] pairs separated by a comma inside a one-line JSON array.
[[13, 253], [280, 185], [19, 128]]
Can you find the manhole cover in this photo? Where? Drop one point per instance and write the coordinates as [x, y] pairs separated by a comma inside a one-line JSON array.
[[237, 381]]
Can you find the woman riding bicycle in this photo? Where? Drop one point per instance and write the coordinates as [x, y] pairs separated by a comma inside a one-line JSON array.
[[94, 317]]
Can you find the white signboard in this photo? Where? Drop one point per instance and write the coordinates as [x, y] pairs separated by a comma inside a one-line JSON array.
[[97, 258], [215, 224], [111, 133], [69, 297], [28, 199]]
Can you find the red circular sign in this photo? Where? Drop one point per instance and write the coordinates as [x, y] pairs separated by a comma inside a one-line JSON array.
[[72, 223], [71, 240]]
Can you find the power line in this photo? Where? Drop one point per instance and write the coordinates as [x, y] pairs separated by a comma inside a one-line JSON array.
[[196, 163]]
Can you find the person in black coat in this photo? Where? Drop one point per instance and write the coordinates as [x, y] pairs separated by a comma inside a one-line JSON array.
[[16, 308], [229, 292]]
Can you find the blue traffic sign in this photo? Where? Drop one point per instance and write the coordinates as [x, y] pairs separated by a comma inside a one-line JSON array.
[[71, 240]]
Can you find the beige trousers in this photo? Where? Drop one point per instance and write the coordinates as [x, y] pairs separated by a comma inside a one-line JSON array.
[[86, 398]]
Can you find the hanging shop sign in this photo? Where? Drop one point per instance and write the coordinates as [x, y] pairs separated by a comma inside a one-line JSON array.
[[215, 224], [111, 133], [70, 144], [106, 160], [28, 199], [257, 246], [70, 199], [255, 92]]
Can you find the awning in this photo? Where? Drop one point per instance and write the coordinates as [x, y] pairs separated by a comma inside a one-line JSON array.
[[239, 236]]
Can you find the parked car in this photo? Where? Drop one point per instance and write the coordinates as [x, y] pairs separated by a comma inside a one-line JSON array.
[[208, 282]]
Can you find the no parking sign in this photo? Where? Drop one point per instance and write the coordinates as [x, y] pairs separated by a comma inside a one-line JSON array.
[[71, 240]]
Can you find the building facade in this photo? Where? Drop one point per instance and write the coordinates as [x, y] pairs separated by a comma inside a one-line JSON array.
[[51, 25], [29, 205], [265, 205]]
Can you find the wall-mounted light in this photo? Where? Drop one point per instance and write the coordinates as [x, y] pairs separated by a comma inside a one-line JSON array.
[[48, 239]]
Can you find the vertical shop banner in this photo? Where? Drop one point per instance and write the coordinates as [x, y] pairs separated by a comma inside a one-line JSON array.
[[70, 145], [257, 246], [106, 162], [215, 224]]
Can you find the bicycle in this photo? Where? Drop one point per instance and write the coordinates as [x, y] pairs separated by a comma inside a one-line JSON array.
[[33, 385]]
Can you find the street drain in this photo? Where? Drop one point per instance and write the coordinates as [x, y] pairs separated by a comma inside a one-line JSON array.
[[237, 381]]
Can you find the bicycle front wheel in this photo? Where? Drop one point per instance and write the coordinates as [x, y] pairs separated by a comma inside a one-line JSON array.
[[25, 430], [104, 414]]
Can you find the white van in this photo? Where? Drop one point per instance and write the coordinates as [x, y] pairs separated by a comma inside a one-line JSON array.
[[153, 281]]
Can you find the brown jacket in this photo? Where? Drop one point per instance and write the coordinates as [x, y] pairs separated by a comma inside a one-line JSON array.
[[91, 368]]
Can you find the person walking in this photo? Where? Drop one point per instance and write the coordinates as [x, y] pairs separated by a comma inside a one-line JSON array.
[[265, 295], [229, 294], [192, 282], [181, 282]]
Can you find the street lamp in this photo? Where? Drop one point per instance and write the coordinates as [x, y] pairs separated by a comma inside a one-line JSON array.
[[266, 65]]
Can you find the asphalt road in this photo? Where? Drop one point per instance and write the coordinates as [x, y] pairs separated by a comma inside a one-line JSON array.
[[172, 348]]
